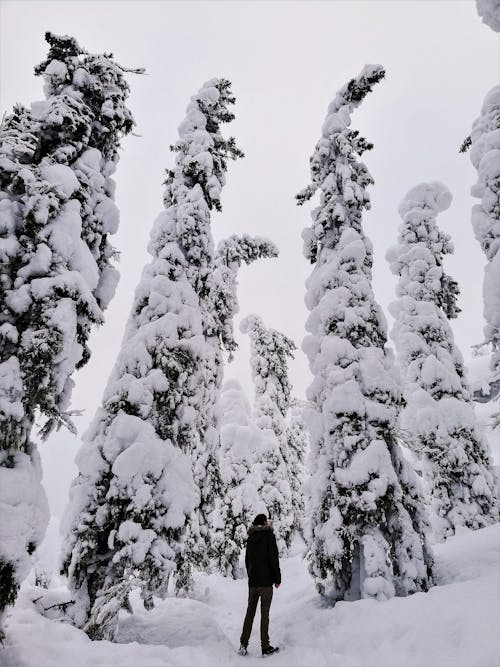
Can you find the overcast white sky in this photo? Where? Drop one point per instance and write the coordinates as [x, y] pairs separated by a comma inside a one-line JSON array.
[[286, 60]]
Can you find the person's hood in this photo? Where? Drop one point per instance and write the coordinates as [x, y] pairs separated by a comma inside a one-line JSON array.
[[258, 533]]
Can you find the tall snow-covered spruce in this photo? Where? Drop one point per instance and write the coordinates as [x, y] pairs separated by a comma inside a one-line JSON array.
[[142, 507], [195, 186], [367, 530], [219, 305], [56, 215], [239, 453], [297, 439], [484, 144], [270, 350], [438, 416]]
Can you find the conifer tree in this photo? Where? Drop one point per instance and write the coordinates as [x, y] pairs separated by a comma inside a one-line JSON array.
[[219, 304], [484, 143], [270, 350], [489, 11], [297, 440], [167, 376], [438, 414], [201, 163], [231, 254], [239, 453], [56, 214], [367, 536]]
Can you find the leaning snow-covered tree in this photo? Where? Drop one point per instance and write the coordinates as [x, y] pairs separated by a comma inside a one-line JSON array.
[[367, 531], [219, 304], [269, 353], [167, 376], [194, 186], [56, 214], [231, 254], [134, 494], [239, 452], [484, 143], [438, 416]]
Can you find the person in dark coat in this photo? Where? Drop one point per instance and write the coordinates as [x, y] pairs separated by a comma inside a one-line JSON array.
[[263, 569]]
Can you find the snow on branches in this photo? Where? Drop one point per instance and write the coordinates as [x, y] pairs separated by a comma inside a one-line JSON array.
[[193, 189], [270, 351], [239, 453], [438, 416], [167, 379], [489, 11], [367, 530], [56, 214], [485, 156], [231, 254], [298, 442]]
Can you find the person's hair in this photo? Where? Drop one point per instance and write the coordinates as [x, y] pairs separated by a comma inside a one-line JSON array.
[[260, 520]]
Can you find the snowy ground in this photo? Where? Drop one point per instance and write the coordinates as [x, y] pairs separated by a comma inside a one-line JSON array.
[[456, 624]]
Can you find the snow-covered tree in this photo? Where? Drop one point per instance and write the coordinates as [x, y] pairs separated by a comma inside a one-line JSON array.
[[134, 494], [231, 254], [219, 303], [239, 452], [194, 187], [270, 351], [489, 11], [484, 143], [367, 535], [438, 415], [56, 214], [167, 376], [297, 439]]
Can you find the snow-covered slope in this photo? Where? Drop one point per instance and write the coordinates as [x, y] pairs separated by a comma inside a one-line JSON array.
[[454, 625]]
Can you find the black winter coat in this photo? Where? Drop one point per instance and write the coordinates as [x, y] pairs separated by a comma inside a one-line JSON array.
[[261, 557]]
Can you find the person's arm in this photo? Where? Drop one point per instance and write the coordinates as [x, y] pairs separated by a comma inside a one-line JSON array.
[[274, 560]]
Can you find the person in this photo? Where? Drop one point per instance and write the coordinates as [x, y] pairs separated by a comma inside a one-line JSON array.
[[263, 569]]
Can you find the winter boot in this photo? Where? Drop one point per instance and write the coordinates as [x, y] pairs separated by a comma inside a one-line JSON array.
[[242, 650], [269, 650]]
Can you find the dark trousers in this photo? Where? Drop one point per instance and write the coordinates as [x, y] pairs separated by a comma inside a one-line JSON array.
[[265, 593]]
